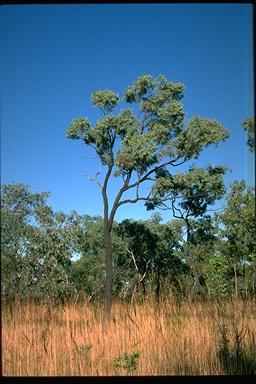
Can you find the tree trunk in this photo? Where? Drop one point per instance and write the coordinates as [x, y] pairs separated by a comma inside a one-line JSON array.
[[158, 287], [109, 274], [108, 223], [197, 287], [108, 250], [236, 287]]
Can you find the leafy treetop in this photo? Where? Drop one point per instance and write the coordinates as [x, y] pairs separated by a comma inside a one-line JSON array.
[[158, 133]]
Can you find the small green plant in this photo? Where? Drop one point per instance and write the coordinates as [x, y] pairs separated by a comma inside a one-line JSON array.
[[127, 362]]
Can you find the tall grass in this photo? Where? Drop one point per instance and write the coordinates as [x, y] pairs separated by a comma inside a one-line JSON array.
[[171, 339]]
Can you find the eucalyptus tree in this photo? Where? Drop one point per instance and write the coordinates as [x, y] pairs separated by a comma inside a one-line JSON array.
[[136, 144], [188, 196]]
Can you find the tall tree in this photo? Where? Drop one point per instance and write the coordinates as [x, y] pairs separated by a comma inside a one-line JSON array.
[[135, 145]]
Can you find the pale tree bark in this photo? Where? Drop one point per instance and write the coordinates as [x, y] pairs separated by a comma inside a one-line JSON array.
[[140, 276]]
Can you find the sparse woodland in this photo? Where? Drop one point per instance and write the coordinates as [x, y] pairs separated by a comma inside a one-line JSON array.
[[87, 295]]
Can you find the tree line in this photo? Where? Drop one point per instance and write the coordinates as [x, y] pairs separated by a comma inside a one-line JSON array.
[[52, 256]]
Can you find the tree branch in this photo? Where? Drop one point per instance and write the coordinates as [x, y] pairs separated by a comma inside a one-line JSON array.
[[132, 200], [146, 177], [117, 199], [173, 211], [133, 258], [94, 178], [104, 192]]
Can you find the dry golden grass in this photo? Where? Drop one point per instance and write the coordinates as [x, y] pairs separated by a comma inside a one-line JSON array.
[[171, 339]]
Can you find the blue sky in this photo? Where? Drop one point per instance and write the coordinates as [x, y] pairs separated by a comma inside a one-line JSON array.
[[54, 56]]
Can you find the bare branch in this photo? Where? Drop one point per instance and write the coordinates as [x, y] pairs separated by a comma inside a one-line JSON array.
[[133, 258], [144, 274], [146, 177], [94, 178], [216, 209], [91, 158], [173, 211], [132, 200], [182, 162]]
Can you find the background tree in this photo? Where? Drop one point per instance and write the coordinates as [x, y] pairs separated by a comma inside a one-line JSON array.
[[87, 272], [167, 268], [238, 236], [136, 145], [36, 246], [140, 250], [18, 206], [217, 275], [249, 127], [149, 256], [188, 196]]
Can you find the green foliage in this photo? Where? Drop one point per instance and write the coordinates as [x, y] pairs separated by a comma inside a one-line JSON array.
[[200, 133], [239, 222], [154, 247], [137, 91], [80, 129], [194, 190], [138, 153], [138, 142], [203, 231], [106, 100], [36, 246], [237, 234], [249, 127], [127, 362], [87, 276], [217, 273]]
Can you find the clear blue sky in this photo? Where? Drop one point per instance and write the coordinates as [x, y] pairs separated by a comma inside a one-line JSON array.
[[54, 56]]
